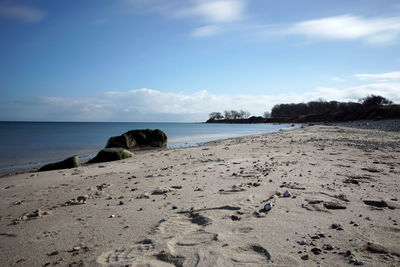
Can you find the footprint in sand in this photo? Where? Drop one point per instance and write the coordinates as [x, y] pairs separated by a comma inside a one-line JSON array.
[[126, 256], [182, 240]]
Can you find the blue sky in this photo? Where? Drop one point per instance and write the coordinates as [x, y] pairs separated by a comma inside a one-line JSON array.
[[170, 60]]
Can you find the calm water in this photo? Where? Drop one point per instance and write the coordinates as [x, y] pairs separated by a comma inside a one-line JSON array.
[[26, 143]]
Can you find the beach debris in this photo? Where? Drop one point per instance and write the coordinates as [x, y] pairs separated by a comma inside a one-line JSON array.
[[78, 201], [30, 216], [112, 216]]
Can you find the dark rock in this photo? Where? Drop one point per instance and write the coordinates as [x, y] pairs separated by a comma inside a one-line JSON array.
[[305, 257], [111, 154], [139, 138], [316, 251], [69, 163], [376, 203], [302, 243], [328, 247], [336, 226], [235, 218]]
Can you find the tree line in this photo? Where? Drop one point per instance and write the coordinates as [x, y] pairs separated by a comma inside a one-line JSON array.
[[369, 107], [230, 115], [332, 107]]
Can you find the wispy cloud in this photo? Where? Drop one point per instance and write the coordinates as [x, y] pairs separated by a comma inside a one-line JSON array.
[[346, 27], [381, 76], [233, 14], [20, 12], [153, 105], [205, 31], [214, 11], [210, 16], [337, 79]]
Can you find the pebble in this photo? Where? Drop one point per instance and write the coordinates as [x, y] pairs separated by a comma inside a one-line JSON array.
[[287, 194], [328, 247], [267, 207], [235, 218], [337, 226], [56, 252], [316, 251], [302, 242], [305, 257]]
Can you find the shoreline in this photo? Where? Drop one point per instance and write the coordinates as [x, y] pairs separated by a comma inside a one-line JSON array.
[[185, 142], [205, 204]]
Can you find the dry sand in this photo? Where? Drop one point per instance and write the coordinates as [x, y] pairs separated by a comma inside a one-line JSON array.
[[203, 206]]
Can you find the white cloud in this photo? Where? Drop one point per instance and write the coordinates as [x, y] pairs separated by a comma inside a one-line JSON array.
[[337, 79], [381, 77], [215, 11], [216, 15], [205, 31], [21, 13], [347, 27], [153, 105]]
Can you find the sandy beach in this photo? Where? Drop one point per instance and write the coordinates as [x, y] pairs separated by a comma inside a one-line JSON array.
[[330, 195]]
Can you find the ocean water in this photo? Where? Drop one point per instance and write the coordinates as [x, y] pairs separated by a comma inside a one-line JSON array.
[[25, 144]]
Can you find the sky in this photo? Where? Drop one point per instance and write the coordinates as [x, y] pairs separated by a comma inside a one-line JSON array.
[[179, 60]]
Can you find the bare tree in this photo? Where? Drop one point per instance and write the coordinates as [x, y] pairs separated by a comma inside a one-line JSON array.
[[375, 100], [267, 114], [215, 116], [244, 114]]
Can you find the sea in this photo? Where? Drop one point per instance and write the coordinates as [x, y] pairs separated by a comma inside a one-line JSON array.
[[31, 144]]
